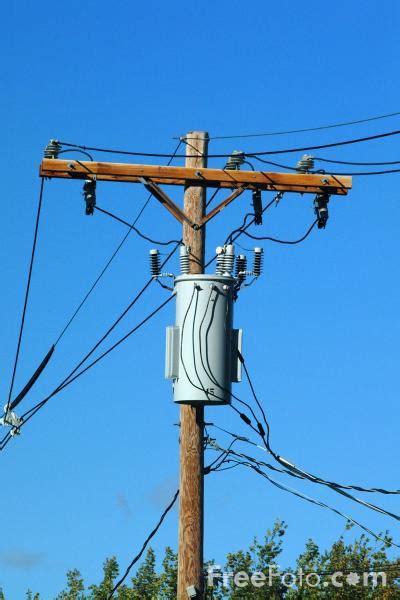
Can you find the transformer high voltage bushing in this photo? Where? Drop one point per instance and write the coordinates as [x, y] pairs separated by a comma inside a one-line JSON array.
[[202, 348]]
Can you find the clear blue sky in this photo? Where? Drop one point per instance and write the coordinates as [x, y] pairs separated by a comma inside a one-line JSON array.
[[92, 471]]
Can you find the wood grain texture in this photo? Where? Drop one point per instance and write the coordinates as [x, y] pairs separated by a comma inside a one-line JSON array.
[[191, 509], [195, 174]]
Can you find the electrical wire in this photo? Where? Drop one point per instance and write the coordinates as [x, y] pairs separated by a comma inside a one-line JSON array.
[[286, 132], [292, 242], [363, 164], [247, 154], [143, 548], [285, 488], [145, 237], [344, 173], [304, 474], [369, 505], [27, 289], [110, 260], [69, 379]]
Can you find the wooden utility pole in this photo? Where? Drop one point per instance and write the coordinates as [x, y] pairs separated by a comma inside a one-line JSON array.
[[196, 178], [191, 507]]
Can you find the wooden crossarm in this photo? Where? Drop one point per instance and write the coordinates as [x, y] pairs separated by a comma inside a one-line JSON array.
[[217, 178]]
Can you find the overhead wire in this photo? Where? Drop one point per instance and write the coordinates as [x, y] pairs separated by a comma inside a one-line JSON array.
[[27, 290], [246, 154], [111, 259], [290, 131], [145, 543], [69, 378], [73, 375], [296, 470], [135, 229], [344, 173], [307, 498]]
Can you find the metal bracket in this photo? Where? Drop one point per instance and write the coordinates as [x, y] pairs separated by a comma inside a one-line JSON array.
[[223, 204], [162, 197]]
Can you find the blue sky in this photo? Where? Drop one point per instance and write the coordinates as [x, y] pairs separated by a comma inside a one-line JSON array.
[[93, 470]]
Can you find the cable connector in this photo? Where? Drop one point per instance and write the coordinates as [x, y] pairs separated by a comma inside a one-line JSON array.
[[321, 209], [89, 193]]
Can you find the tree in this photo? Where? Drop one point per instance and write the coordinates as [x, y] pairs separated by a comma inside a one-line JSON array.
[[146, 582], [75, 587]]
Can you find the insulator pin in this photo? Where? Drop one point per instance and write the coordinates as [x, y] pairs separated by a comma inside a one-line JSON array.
[[184, 259], [155, 266], [52, 149], [258, 262]]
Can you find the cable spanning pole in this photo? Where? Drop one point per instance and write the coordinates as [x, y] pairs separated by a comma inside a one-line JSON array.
[[191, 506]]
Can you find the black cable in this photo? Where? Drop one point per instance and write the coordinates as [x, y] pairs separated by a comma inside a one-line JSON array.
[[110, 260], [145, 237], [304, 474], [90, 157], [316, 502], [271, 239], [69, 379], [143, 548], [28, 285], [362, 164], [345, 173], [6, 438], [247, 154], [271, 133]]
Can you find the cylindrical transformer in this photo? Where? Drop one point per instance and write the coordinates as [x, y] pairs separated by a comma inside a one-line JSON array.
[[202, 348]]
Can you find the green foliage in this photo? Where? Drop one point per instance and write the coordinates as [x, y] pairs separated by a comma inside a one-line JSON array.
[[350, 560]]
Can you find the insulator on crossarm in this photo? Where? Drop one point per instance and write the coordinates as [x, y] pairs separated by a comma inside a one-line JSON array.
[[257, 262], [155, 262], [241, 268], [184, 259], [52, 149], [235, 160], [305, 164]]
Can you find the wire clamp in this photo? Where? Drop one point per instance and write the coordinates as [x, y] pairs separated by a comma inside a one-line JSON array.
[[10, 419]]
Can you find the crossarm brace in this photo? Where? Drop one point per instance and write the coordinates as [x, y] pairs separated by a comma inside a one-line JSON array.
[[166, 201]]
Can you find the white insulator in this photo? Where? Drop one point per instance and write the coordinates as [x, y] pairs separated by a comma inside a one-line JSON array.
[[154, 262], [184, 259], [220, 260], [229, 259], [257, 262]]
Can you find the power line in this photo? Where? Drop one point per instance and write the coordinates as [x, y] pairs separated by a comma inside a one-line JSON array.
[[350, 174], [246, 154], [296, 470], [271, 239], [28, 285], [145, 237], [307, 498], [143, 548], [364, 164], [70, 378], [272, 133], [111, 259]]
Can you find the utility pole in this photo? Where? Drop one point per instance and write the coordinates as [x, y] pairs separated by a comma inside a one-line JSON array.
[[191, 495], [184, 352]]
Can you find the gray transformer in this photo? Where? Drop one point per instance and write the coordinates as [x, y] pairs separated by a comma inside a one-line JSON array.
[[202, 348]]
